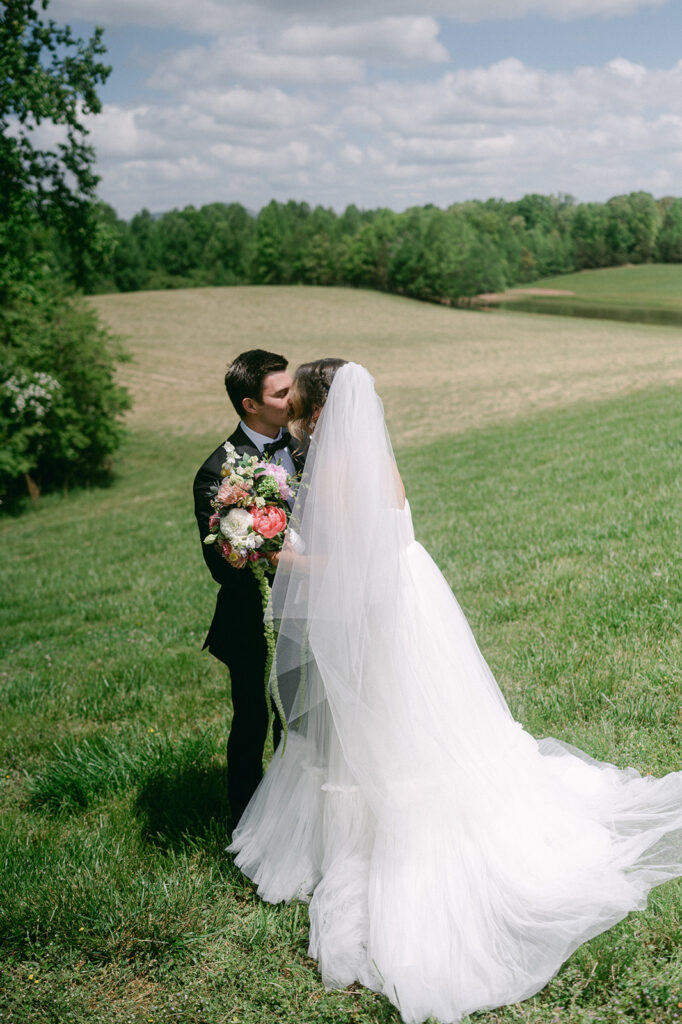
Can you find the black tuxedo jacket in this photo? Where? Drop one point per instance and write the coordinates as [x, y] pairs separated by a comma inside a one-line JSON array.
[[238, 617]]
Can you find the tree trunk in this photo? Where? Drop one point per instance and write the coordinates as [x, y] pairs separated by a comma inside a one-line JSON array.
[[33, 489]]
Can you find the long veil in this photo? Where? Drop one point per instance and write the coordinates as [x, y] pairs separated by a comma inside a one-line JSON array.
[[348, 644], [341, 557]]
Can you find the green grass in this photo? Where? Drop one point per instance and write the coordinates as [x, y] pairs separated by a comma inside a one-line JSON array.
[[646, 293], [560, 535], [647, 284]]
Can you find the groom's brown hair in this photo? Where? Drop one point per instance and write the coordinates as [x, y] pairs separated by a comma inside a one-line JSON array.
[[244, 377]]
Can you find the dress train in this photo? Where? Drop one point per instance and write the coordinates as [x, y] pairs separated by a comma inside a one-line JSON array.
[[452, 862]]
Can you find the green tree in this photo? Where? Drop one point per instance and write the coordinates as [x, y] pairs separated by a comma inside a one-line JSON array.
[[230, 247], [319, 247], [669, 241], [280, 235], [48, 76], [59, 405], [589, 236], [144, 229], [181, 241], [368, 257]]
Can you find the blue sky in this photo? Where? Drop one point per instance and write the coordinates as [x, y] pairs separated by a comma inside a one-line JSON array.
[[384, 102]]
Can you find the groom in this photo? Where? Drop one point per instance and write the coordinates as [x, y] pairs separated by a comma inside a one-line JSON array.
[[258, 384]]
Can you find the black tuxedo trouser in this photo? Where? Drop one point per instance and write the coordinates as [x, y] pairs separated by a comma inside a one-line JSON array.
[[245, 655]]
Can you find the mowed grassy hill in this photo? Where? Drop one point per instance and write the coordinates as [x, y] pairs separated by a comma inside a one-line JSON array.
[[542, 462], [438, 371]]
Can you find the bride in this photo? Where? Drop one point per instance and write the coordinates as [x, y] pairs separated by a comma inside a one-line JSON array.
[[452, 861]]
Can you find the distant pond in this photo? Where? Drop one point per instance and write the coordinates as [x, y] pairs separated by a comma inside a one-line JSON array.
[[596, 310]]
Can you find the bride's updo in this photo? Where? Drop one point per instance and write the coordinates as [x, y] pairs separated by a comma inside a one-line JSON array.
[[309, 393]]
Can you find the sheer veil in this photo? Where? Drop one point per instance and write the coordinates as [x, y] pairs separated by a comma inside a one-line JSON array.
[[350, 661], [340, 561]]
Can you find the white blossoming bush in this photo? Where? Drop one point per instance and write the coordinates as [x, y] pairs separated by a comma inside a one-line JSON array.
[[30, 394], [60, 407]]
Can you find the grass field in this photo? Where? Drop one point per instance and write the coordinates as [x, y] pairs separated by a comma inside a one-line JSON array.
[[439, 372], [648, 284], [649, 293], [555, 515]]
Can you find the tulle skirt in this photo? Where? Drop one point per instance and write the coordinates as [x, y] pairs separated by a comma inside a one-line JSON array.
[[452, 862]]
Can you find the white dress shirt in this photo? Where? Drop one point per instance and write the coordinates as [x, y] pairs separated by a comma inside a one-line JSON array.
[[260, 441]]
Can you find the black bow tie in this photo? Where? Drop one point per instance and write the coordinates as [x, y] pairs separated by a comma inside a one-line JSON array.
[[275, 446]]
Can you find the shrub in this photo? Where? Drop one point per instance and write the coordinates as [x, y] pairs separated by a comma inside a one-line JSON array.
[[60, 406]]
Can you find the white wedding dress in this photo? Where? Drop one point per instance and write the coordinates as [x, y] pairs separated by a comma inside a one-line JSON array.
[[452, 861]]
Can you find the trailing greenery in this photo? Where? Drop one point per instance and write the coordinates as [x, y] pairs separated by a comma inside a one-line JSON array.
[[58, 400], [426, 252], [559, 535]]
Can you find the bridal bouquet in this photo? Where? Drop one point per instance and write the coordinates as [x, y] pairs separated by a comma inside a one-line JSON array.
[[250, 511], [250, 517]]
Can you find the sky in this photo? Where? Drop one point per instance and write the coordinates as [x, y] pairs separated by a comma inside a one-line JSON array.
[[383, 102]]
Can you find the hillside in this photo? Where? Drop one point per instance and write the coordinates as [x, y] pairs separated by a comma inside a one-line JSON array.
[[438, 370]]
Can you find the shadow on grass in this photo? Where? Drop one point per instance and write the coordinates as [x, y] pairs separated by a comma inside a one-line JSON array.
[[186, 805]]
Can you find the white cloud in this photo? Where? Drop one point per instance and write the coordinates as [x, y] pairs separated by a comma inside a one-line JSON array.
[[508, 92], [502, 130], [202, 17], [385, 40], [211, 17], [292, 155], [244, 59], [351, 154], [347, 103], [265, 107]]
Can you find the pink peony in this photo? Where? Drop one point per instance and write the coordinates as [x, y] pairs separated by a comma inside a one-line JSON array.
[[268, 521]]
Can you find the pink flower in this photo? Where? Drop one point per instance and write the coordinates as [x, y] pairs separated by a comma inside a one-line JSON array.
[[268, 521], [231, 494], [280, 475], [214, 520]]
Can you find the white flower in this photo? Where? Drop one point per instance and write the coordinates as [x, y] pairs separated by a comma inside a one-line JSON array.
[[31, 394], [230, 454], [236, 526]]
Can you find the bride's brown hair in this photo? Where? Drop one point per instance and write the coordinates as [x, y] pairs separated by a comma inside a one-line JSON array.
[[309, 393]]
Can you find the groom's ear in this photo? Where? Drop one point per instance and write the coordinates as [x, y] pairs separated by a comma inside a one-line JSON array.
[[249, 405]]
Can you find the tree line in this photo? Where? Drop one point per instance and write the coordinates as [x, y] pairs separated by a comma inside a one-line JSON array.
[[425, 252]]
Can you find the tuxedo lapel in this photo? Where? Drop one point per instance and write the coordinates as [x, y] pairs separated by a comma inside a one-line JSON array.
[[243, 442]]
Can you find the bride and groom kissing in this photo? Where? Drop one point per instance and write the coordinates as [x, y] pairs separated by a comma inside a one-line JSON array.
[[259, 387], [451, 861]]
